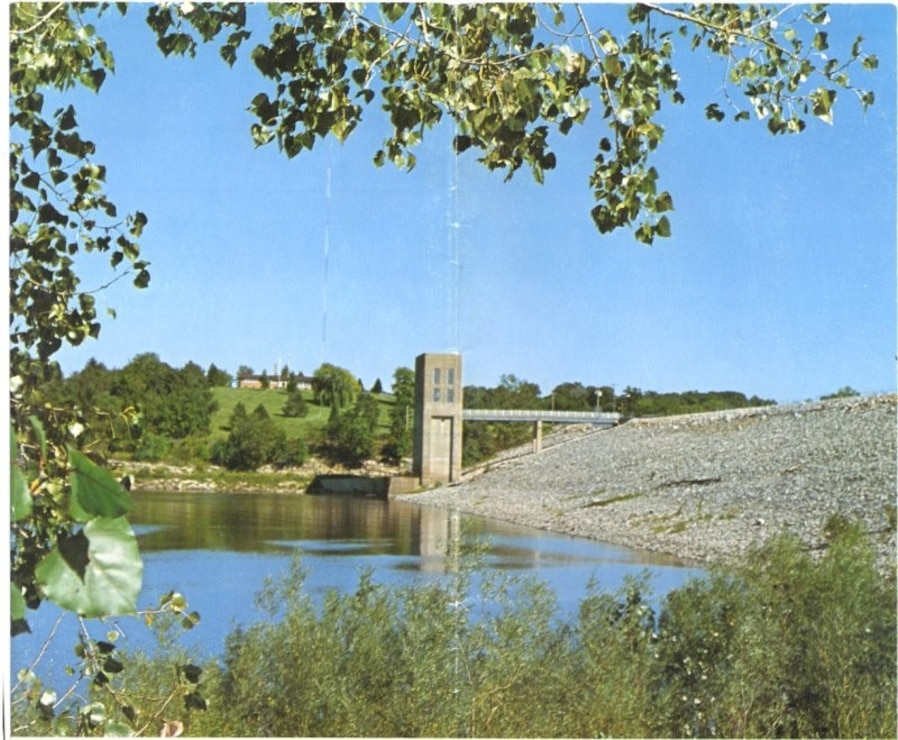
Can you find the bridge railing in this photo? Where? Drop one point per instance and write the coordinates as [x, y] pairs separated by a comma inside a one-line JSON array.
[[556, 417]]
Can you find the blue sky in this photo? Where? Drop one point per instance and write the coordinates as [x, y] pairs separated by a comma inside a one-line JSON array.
[[779, 280]]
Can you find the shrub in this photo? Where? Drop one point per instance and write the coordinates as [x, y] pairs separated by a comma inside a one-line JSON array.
[[191, 449], [152, 447], [295, 406], [255, 440], [783, 644]]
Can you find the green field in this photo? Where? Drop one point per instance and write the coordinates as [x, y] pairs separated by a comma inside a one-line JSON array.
[[309, 428]]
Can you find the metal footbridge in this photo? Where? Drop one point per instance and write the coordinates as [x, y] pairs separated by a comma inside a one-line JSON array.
[[601, 419], [596, 418]]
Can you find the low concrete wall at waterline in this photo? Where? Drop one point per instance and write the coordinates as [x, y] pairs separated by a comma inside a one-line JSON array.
[[363, 485]]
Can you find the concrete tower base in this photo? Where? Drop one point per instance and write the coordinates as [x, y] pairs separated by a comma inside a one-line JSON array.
[[436, 454]]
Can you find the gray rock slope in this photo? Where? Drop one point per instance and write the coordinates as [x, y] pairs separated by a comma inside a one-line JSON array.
[[702, 487]]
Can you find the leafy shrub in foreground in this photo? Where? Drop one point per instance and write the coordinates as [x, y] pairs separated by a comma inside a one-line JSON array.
[[782, 645]]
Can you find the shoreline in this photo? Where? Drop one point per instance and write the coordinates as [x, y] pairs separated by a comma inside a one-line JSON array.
[[703, 487]]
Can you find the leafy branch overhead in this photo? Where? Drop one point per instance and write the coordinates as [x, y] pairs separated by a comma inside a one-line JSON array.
[[509, 76]]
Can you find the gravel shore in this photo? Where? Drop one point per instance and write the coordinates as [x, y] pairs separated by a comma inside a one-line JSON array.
[[703, 487]]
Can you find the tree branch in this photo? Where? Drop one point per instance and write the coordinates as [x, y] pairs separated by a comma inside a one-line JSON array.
[[721, 30], [42, 20]]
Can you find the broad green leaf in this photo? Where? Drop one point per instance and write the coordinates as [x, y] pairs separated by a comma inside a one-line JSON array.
[[16, 603], [19, 494], [95, 492], [95, 573]]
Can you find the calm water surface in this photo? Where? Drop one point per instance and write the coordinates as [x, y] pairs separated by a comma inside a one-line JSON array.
[[218, 549]]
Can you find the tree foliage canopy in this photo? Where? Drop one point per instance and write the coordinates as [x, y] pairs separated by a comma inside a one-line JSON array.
[[510, 76], [334, 386]]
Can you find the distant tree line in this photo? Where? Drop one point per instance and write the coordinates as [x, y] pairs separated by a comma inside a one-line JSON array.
[[152, 411], [484, 439], [140, 409]]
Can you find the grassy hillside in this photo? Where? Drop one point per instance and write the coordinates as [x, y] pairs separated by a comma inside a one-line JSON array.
[[309, 428]]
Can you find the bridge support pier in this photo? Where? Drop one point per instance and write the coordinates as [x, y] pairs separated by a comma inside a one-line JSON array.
[[537, 436]]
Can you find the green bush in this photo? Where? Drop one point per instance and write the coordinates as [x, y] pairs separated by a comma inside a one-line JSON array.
[[295, 407], [784, 644], [152, 447], [192, 449], [255, 440]]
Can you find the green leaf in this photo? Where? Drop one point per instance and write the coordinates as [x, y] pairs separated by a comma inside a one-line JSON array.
[[114, 728], [664, 202], [176, 601], [191, 673], [190, 620], [194, 700], [713, 112], [229, 54], [822, 101], [645, 234], [96, 572], [461, 143], [393, 11], [112, 665], [662, 228], [67, 119], [138, 222], [142, 280], [16, 603], [95, 713], [19, 494], [95, 492]]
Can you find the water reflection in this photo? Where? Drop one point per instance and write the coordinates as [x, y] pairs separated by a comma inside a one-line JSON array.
[[261, 523], [210, 540]]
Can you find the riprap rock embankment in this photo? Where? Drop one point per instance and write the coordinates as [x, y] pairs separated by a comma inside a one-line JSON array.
[[703, 487]]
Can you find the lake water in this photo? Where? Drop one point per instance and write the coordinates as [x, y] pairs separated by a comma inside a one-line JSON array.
[[218, 549]]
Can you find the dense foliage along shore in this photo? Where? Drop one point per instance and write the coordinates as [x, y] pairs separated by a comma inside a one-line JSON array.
[[704, 487]]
